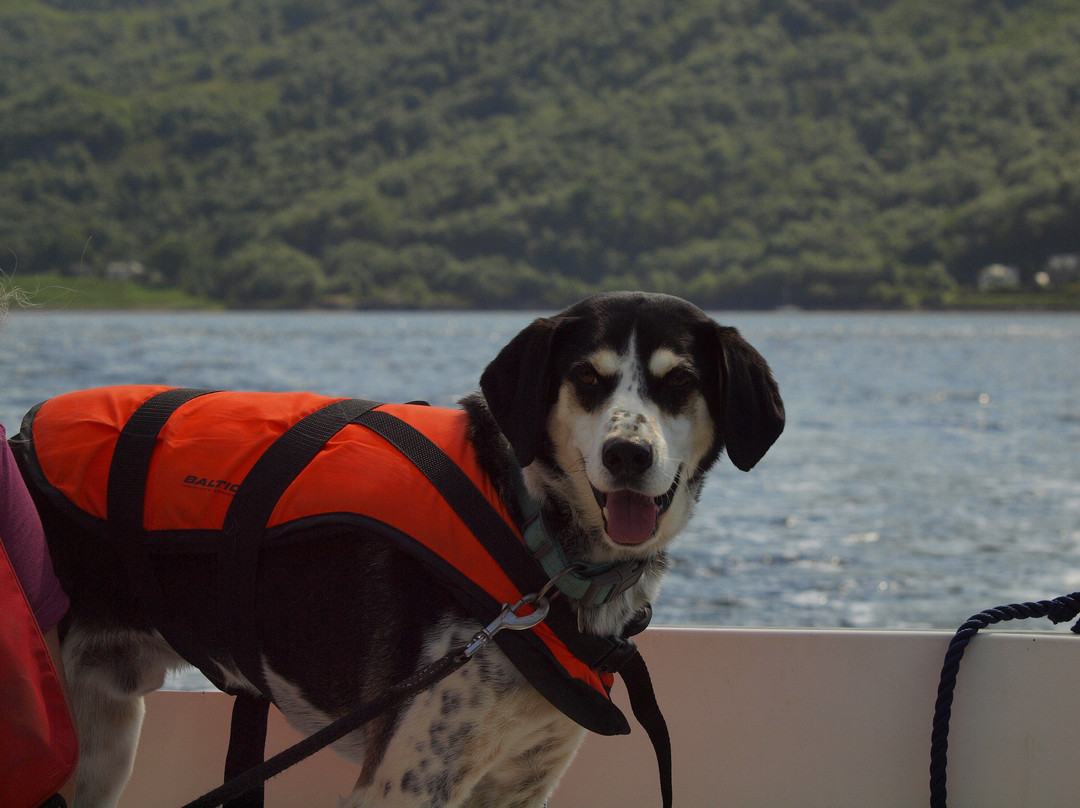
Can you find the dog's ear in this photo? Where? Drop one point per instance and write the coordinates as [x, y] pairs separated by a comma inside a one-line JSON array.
[[517, 387], [751, 412]]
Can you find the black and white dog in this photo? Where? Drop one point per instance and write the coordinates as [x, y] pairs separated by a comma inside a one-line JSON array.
[[615, 409]]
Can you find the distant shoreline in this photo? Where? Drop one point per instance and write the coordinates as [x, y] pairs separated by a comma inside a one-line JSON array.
[[52, 292]]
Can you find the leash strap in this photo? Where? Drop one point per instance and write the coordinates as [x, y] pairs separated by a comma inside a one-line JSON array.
[[1058, 610], [251, 780]]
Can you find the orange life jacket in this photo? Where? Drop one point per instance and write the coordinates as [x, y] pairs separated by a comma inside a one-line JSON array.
[[150, 463]]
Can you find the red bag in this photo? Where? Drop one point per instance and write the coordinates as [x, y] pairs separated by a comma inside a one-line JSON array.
[[38, 746]]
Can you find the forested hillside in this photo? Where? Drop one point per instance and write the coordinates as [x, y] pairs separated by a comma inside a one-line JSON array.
[[523, 152]]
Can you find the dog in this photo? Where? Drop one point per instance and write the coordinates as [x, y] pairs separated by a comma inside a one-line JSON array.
[[614, 410]]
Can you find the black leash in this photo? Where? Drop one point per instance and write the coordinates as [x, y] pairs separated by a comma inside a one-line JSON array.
[[1058, 610], [246, 788], [253, 778]]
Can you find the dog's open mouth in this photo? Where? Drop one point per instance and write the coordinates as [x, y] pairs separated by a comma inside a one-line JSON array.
[[631, 517]]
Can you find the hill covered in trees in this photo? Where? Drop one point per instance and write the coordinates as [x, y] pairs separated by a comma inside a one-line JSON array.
[[500, 154]]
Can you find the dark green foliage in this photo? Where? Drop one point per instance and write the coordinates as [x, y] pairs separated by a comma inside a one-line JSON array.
[[419, 153]]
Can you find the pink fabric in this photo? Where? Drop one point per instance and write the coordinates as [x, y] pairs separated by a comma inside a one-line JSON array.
[[24, 541]]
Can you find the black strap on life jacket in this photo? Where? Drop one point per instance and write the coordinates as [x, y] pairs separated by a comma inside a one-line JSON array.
[[251, 509], [245, 524], [126, 496], [247, 747]]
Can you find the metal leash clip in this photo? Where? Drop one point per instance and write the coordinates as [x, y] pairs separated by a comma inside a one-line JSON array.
[[509, 618]]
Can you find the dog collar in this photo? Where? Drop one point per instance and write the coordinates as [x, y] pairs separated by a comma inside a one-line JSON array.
[[590, 584]]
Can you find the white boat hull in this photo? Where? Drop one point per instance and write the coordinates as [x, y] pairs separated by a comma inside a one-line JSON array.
[[769, 718]]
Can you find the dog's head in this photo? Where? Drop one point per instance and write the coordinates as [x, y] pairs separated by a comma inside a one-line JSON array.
[[621, 403]]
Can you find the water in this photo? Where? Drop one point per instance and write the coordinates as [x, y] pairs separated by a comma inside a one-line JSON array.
[[929, 468]]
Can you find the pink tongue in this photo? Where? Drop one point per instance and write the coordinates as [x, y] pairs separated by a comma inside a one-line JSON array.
[[631, 517]]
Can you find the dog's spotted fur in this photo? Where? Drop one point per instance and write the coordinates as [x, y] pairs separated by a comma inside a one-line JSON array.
[[621, 393]]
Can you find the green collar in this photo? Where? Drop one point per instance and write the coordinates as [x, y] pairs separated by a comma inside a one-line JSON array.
[[590, 584]]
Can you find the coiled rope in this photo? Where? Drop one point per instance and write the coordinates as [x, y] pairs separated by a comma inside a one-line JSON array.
[[1058, 610]]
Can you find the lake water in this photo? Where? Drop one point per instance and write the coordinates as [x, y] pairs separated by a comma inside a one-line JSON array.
[[930, 467]]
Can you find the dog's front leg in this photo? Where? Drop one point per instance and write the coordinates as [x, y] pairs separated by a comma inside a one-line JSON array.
[[108, 675], [108, 735]]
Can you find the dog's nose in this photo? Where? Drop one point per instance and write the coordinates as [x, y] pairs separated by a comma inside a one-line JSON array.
[[626, 458]]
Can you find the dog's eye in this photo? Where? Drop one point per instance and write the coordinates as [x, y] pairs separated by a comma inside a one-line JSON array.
[[587, 377], [678, 378]]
